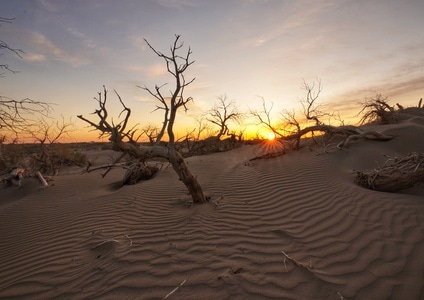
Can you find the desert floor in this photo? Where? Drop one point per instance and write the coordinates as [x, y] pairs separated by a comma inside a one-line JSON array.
[[291, 227]]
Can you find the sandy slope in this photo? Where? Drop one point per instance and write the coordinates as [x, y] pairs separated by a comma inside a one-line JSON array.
[[85, 238]]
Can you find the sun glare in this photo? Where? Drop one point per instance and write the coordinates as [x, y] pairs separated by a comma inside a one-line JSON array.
[[271, 136]]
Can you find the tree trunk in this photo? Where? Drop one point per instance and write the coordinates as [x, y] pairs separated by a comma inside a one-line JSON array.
[[186, 177]]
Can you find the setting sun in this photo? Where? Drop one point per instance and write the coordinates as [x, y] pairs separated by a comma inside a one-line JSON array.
[[271, 136]]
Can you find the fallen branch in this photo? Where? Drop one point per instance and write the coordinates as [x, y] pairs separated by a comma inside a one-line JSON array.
[[396, 174], [108, 166], [137, 172], [370, 135], [41, 178]]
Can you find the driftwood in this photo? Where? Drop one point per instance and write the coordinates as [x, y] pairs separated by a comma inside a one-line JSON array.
[[137, 172], [396, 174], [370, 135]]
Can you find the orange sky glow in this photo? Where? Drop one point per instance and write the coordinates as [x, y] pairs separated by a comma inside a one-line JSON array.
[[248, 50]]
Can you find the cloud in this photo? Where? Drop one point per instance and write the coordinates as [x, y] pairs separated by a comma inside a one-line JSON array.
[[133, 69], [48, 5], [157, 70], [145, 98], [44, 49], [178, 3], [86, 41], [33, 57], [397, 90]]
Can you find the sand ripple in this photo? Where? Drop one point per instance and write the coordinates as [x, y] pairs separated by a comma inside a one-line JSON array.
[[293, 227]]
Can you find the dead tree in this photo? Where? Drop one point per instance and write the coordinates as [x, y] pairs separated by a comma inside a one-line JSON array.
[[121, 137], [377, 109], [221, 114], [152, 132], [312, 112], [52, 156], [264, 118], [176, 66], [17, 115], [310, 109], [292, 127], [6, 46]]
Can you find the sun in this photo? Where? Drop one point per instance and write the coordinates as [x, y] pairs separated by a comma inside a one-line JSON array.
[[271, 136]]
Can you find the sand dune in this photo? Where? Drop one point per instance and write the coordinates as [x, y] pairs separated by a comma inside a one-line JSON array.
[[291, 227]]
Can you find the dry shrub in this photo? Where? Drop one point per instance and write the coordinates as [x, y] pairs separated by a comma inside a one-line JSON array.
[[396, 174], [377, 110], [47, 159]]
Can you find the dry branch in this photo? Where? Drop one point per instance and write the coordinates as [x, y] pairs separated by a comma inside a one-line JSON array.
[[370, 135], [174, 290], [396, 174], [41, 178]]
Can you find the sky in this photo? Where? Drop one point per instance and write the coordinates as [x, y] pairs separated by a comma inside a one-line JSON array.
[[247, 50]]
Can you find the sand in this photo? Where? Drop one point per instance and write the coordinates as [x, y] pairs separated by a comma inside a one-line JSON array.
[[292, 227]]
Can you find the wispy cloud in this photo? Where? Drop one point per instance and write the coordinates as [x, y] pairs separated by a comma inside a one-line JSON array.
[[178, 3], [33, 57], [44, 49], [86, 41], [293, 18], [152, 71], [50, 6]]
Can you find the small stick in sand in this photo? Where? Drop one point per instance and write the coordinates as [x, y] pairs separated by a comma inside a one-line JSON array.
[[129, 239], [285, 265], [174, 290], [296, 262]]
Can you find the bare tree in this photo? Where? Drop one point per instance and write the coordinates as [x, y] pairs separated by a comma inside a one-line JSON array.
[[377, 109], [292, 127], [176, 66], [222, 113], [312, 111], [152, 132], [310, 108], [263, 118], [8, 48], [202, 129], [52, 155], [17, 115]]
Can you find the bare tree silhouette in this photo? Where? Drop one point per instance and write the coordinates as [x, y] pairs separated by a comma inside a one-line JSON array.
[[121, 138]]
